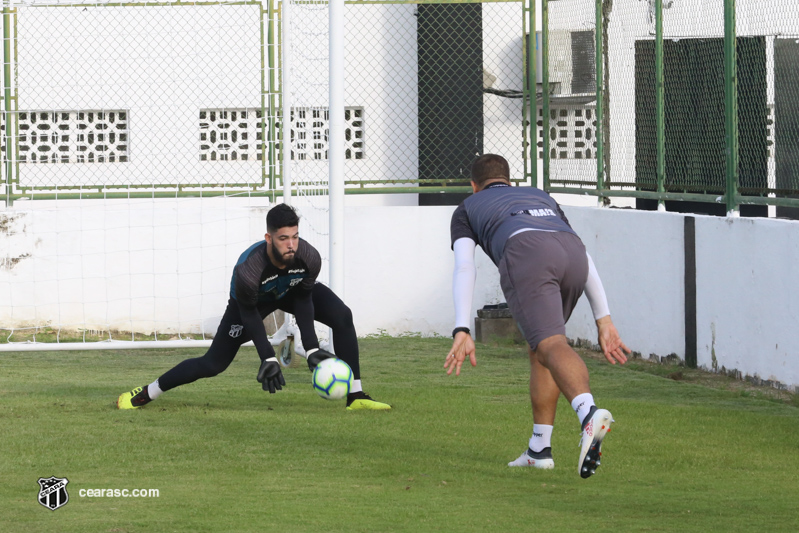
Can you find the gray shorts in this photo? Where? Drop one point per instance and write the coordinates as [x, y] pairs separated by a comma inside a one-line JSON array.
[[542, 275]]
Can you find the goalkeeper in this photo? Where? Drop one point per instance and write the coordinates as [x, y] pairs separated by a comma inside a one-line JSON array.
[[276, 273]]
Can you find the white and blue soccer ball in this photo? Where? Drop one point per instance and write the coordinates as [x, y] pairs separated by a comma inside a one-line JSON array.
[[332, 379]]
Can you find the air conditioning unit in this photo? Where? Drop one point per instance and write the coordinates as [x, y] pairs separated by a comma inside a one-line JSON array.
[[572, 66], [583, 62]]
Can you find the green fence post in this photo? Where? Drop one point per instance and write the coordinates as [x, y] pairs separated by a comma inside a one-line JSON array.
[[659, 103], [731, 107], [600, 152], [525, 91], [7, 97], [271, 49], [545, 80], [533, 116], [264, 154]]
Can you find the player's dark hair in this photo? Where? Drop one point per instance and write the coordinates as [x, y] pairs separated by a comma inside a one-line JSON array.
[[281, 216], [489, 167]]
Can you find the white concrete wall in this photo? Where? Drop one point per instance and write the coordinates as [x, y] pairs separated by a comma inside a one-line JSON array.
[[413, 244], [137, 265], [399, 271], [748, 297], [167, 264], [639, 257]]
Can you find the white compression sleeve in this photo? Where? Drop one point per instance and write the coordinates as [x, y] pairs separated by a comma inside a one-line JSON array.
[[463, 279], [595, 292]]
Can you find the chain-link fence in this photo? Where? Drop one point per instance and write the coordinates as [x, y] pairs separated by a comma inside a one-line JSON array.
[[665, 108], [183, 109], [635, 99], [174, 97], [438, 84], [428, 86], [125, 96]]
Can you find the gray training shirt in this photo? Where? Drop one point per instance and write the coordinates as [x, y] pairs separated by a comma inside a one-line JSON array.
[[489, 217]]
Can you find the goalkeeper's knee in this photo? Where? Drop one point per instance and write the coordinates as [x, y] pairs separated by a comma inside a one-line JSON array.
[[211, 368]]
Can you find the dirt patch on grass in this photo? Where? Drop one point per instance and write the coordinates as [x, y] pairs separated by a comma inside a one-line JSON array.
[[675, 369]]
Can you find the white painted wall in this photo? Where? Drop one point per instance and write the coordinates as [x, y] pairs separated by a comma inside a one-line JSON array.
[[381, 77], [137, 265], [639, 257], [167, 264], [748, 297], [399, 271], [503, 44]]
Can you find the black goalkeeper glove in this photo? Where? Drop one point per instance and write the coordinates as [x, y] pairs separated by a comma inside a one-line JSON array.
[[270, 376], [316, 356]]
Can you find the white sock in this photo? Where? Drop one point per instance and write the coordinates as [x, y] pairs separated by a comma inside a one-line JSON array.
[[153, 390], [542, 437], [356, 386], [582, 403]]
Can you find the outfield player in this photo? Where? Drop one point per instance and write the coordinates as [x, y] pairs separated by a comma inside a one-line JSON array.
[[543, 269], [276, 273]]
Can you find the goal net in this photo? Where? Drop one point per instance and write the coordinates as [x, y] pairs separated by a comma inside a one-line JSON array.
[[141, 151], [143, 143]]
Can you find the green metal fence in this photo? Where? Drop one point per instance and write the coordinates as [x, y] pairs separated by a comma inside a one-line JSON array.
[[688, 101], [174, 98], [138, 99], [656, 100]]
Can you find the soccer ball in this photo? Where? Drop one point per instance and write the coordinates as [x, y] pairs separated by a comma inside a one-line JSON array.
[[332, 379]]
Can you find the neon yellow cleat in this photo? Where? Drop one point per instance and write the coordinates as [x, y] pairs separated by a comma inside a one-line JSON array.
[[362, 401], [133, 399]]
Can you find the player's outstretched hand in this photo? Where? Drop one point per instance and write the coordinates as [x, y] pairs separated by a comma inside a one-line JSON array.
[[317, 356], [269, 375], [462, 347], [610, 341]]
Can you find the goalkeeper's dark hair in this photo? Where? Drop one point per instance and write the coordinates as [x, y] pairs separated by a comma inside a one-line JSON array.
[[281, 216], [489, 167]]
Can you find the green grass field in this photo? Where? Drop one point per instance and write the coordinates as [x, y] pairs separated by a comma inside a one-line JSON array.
[[226, 456]]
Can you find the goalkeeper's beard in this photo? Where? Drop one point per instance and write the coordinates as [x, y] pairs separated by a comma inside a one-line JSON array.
[[285, 260], [288, 259]]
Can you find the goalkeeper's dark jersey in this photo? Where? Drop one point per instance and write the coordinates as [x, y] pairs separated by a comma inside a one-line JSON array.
[[258, 285], [257, 281]]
